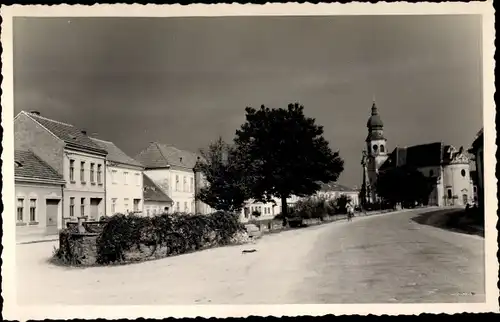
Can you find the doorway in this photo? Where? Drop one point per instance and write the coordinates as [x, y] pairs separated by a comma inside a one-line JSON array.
[[51, 213], [94, 208]]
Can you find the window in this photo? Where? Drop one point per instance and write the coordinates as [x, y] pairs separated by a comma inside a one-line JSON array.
[[449, 193], [375, 148], [99, 173], [176, 183], [20, 209], [475, 189], [113, 206], [125, 177], [72, 207], [32, 210], [136, 204], [177, 206], [184, 184], [192, 185], [92, 166], [186, 207], [382, 148], [114, 175], [82, 207], [82, 172], [137, 179], [463, 173], [126, 201], [193, 207], [72, 170], [147, 212]]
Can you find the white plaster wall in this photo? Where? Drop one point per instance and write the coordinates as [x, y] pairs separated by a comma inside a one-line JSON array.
[[459, 185], [117, 189]]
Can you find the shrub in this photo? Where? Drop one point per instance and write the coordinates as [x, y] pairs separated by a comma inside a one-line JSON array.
[[177, 233]]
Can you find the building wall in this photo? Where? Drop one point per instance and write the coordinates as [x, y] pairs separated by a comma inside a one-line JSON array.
[[39, 192], [436, 196], [152, 208], [124, 184], [180, 187], [457, 182], [480, 174], [29, 135], [78, 188]]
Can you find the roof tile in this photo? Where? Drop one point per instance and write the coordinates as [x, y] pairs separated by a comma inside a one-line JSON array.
[[158, 155], [28, 165], [115, 154], [66, 132], [152, 192]]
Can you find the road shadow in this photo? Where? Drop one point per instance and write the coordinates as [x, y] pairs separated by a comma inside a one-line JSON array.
[[456, 220]]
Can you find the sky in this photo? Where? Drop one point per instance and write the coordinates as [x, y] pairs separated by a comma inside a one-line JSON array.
[[187, 81]]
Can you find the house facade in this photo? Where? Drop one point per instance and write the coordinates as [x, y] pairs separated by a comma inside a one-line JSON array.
[[73, 155], [477, 150], [124, 181], [332, 191], [155, 200], [174, 171], [39, 196], [267, 210]]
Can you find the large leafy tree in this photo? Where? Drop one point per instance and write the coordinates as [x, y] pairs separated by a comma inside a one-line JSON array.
[[284, 154], [221, 166], [404, 185]]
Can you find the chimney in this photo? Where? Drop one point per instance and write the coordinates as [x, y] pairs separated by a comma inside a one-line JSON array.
[[84, 132], [35, 112]]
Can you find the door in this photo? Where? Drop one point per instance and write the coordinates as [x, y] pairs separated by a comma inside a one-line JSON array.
[[94, 208], [51, 213], [465, 199]]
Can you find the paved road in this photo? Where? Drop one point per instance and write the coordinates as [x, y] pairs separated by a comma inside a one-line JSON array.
[[381, 259]]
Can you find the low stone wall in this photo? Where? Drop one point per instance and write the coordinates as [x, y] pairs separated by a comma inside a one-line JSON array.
[[78, 248]]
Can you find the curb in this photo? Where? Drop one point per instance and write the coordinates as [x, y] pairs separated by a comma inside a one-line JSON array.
[[37, 241]]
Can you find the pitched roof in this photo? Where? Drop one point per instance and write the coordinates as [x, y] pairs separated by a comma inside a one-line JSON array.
[[115, 154], [332, 186], [28, 165], [158, 155], [66, 132], [152, 192], [478, 141]]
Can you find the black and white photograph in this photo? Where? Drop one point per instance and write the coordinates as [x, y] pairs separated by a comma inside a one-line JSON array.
[[172, 156]]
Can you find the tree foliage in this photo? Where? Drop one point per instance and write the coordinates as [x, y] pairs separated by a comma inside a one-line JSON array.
[[221, 168], [404, 185], [285, 154]]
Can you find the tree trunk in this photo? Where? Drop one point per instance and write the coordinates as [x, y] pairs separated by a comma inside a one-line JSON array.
[[284, 210]]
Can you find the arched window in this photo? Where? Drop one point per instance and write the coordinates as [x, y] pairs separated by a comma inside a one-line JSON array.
[[382, 148], [375, 148], [463, 172]]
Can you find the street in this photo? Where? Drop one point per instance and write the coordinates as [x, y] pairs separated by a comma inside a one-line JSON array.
[[379, 259]]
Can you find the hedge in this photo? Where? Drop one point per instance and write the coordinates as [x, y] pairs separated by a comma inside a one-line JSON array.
[[123, 238]]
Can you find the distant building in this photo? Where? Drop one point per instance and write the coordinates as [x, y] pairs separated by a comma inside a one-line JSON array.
[[73, 155], [332, 191], [174, 171], [124, 186], [267, 210], [39, 194], [155, 200], [448, 165], [477, 150]]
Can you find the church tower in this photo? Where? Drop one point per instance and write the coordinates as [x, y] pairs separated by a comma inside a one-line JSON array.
[[376, 149]]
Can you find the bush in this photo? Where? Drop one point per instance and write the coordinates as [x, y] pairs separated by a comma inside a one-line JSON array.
[[177, 233]]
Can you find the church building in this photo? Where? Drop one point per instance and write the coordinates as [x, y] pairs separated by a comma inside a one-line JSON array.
[[448, 165]]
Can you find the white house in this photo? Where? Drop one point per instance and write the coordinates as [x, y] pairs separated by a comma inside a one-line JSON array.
[[173, 170], [39, 193], [73, 155], [155, 200], [124, 181], [332, 191]]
